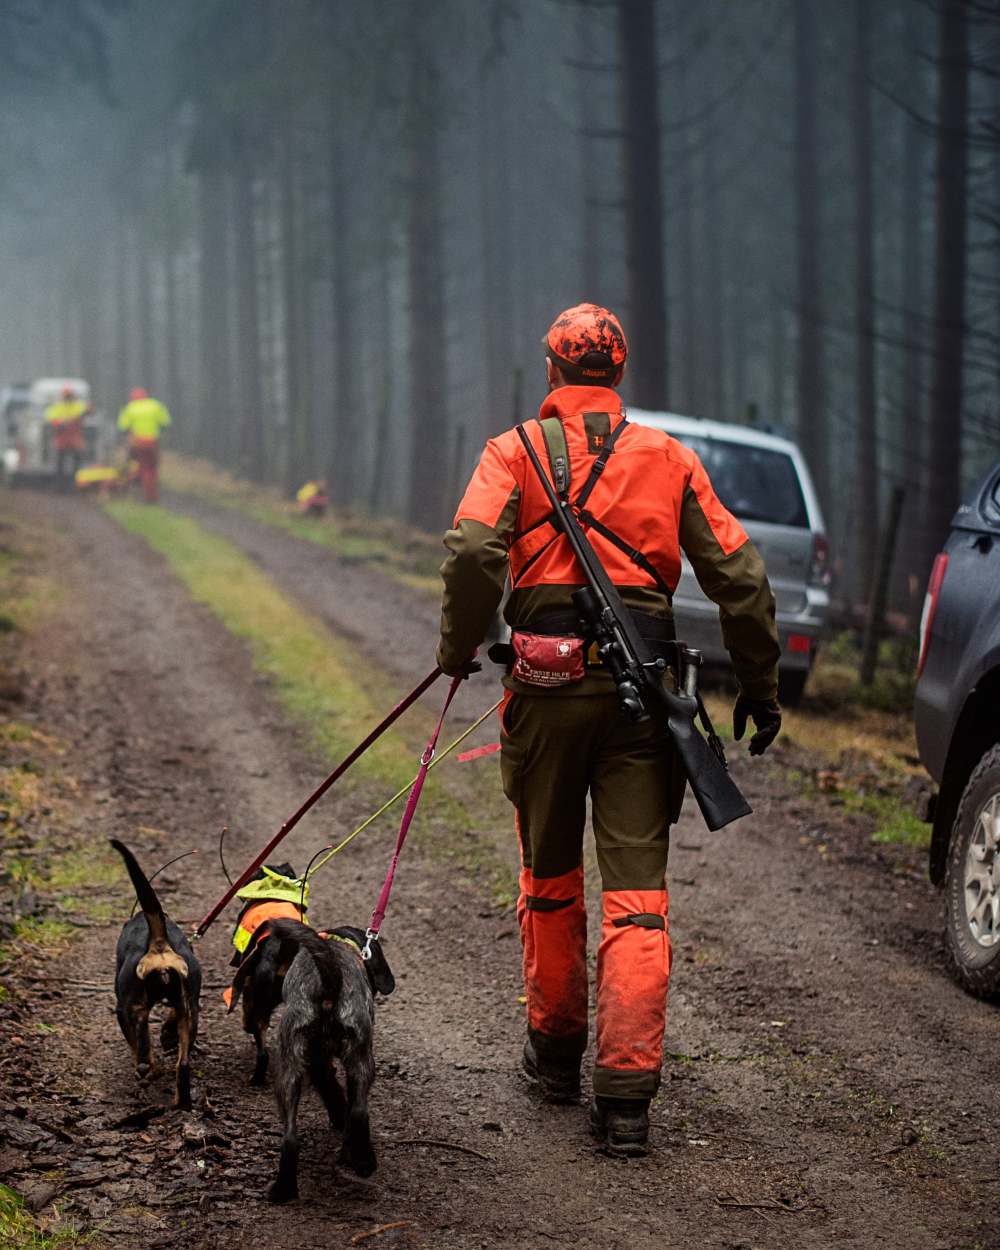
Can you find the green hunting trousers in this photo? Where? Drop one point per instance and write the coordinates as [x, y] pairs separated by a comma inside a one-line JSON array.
[[557, 749]]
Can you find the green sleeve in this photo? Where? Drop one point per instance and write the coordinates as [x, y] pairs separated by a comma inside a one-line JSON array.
[[124, 418], [474, 574], [737, 582]]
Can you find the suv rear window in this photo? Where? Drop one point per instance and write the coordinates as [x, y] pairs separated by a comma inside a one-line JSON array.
[[755, 483]]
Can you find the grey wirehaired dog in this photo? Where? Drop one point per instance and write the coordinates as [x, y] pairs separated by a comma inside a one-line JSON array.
[[329, 995]]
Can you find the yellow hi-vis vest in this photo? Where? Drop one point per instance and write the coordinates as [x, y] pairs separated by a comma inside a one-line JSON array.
[[275, 898]]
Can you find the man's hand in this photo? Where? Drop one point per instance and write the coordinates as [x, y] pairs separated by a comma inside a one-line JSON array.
[[465, 669], [766, 716]]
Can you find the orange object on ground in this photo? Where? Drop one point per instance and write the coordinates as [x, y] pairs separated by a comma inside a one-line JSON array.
[[633, 969], [146, 454]]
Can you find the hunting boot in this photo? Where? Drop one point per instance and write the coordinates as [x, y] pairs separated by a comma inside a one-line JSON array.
[[622, 1124], [558, 1080]]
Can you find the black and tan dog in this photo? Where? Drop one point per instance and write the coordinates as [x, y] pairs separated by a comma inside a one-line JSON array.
[[329, 995], [155, 964]]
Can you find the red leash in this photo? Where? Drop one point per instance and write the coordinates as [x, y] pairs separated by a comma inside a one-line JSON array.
[[318, 793], [378, 915]]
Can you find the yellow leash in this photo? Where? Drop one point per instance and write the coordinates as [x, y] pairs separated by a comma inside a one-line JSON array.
[[404, 790]]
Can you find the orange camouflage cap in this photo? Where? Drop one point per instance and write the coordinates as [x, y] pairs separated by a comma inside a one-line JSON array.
[[589, 341]]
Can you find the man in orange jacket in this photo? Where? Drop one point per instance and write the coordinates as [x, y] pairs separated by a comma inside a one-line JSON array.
[[643, 498]]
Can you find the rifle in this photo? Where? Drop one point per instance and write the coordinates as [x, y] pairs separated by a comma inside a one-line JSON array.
[[638, 677]]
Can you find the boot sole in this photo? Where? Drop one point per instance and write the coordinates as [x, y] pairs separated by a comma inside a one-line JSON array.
[[619, 1149]]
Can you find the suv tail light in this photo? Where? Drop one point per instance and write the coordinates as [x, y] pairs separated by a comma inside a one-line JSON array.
[[930, 607], [819, 567]]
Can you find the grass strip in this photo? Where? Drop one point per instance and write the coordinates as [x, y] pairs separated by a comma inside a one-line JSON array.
[[325, 687], [319, 680], [412, 559], [20, 1230]]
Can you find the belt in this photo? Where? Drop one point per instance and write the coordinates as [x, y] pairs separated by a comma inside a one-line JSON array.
[[656, 631]]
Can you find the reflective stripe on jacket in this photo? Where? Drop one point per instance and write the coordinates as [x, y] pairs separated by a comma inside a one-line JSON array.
[[653, 494]]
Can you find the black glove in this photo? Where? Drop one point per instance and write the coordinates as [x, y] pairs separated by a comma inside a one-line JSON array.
[[471, 665], [766, 716]]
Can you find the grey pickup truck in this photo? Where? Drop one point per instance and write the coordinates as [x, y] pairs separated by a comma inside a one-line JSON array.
[[957, 713]]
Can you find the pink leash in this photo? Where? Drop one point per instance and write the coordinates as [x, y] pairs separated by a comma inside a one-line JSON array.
[[318, 793], [378, 915]]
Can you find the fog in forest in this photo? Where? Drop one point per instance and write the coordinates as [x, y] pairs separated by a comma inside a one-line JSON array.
[[330, 235]]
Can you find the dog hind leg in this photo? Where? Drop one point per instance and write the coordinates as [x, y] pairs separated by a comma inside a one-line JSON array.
[[185, 1038], [357, 1151], [262, 1058], [138, 1035], [168, 1030], [287, 1091], [324, 1077]]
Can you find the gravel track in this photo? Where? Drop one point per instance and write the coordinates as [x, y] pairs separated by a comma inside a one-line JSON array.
[[827, 1084]]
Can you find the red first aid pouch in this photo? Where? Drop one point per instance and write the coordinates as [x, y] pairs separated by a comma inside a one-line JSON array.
[[547, 659]]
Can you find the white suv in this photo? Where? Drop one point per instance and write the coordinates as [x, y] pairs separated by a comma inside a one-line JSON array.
[[763, 480]]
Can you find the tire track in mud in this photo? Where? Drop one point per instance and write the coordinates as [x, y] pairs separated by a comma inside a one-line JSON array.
[[159, 679]]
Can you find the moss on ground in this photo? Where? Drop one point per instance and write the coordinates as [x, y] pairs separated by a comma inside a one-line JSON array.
[[20, 1230]]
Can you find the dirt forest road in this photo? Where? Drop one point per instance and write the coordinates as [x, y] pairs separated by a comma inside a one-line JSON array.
[[826, 1084]]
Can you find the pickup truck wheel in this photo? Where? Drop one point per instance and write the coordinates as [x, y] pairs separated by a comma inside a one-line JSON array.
[[972, 881]]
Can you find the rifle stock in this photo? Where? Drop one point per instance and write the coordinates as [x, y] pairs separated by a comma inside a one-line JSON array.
[[637, 676]]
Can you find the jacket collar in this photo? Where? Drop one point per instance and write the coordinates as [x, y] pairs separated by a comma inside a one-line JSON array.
[[570, 401]]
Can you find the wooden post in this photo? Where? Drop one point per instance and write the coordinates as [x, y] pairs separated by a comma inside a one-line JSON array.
[[883, 574]]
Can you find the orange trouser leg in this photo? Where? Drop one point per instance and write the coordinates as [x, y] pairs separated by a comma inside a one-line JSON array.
[[633, 968], [146, 453], [553, 921]]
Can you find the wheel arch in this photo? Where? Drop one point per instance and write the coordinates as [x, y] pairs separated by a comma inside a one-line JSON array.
[[976, 730]]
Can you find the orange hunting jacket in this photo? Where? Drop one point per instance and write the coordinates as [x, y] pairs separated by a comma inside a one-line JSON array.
[[654, 494]]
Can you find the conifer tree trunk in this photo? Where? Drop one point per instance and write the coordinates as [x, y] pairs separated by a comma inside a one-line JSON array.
[[213, 276], [945, 443], [425, 268], [247, 313], [343, 464], [811, 382], [866, 444], [643, 187]]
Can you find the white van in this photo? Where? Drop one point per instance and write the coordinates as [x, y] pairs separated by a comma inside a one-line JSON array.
[[764, 482]]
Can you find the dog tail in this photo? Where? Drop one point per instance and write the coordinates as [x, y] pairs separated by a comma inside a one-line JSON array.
[[301, 936], [159, 954]]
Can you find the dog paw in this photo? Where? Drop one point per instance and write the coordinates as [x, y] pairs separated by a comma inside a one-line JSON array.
[[361, 1162], [281, 1192], [144, 1071]]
